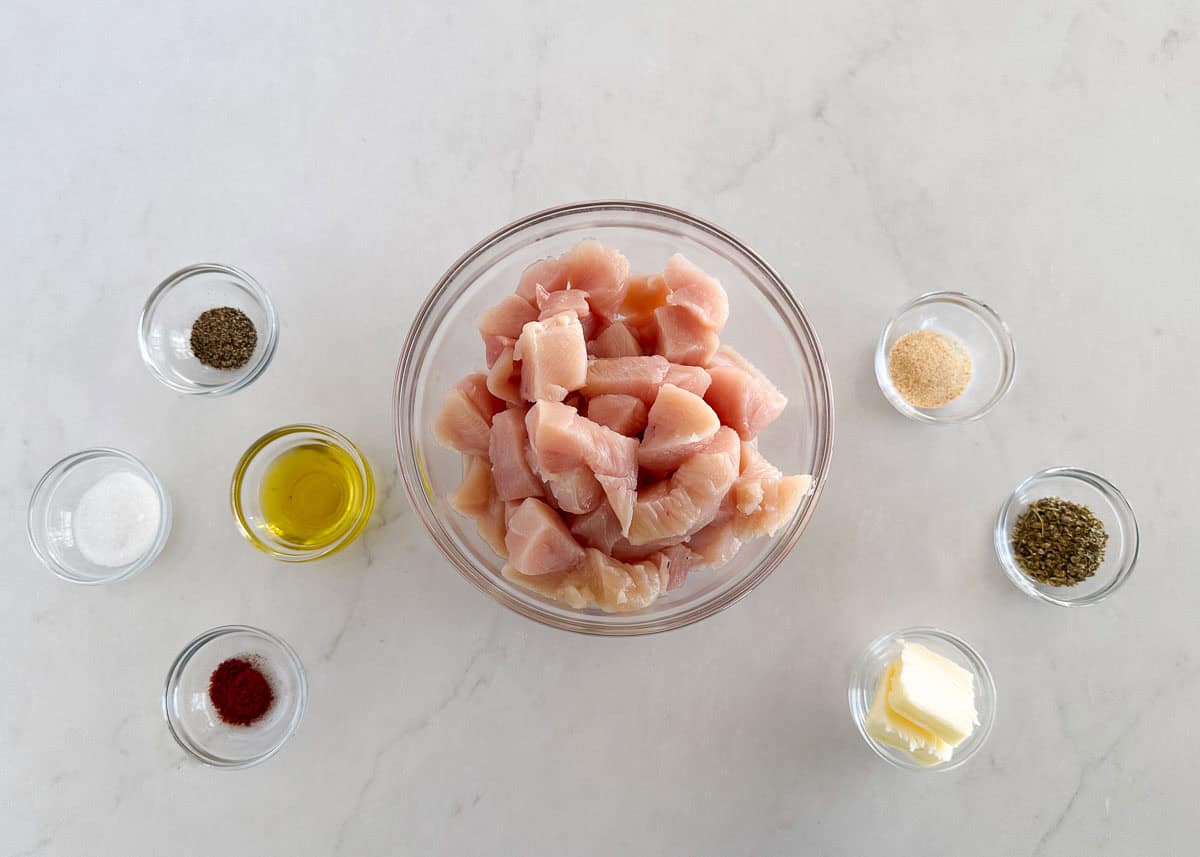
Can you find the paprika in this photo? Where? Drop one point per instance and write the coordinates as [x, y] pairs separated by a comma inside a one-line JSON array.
[[240, 692]]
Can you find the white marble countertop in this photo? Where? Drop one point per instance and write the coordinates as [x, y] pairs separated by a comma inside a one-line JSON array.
[[1040, 155]]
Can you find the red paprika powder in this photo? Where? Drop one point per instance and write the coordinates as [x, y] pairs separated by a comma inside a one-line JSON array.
[[240, 692]]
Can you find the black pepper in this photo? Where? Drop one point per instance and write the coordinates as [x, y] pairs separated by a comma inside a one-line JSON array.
[[223, 338]]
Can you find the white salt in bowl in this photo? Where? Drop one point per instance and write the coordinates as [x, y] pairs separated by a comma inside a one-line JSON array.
[[981, 331], [766, 324], [874, 661], [52, 515]]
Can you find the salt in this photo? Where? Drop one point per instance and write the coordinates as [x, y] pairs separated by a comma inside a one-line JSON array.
[[116, 520]]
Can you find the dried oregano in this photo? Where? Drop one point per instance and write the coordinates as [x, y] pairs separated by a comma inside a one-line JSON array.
[[1058, 542]]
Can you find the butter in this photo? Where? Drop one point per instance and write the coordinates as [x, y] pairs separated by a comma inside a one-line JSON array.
[[895, 730], [933, 692]]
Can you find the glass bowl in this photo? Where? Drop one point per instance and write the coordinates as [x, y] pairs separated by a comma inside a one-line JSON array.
[[193, 720], [1106, 502], [52, 510], [986, 338], [165, 328], [246, 491], [766, 324], [870, 666]]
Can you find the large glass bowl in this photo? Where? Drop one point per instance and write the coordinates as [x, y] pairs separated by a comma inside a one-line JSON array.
[[766, 325]]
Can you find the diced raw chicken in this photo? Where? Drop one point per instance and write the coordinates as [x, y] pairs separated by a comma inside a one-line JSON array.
[[510, 509], [780, 500], [476, 498], [679, 561], [550, 274], [504, 378], [459, 425], [475, 386], [695, 290], [562, 440], [714, 545], [539, 542], [679, 424], [755, 470], [474, 494], [552, 303], [494, 346], [507, 318], [601, 581], [616, 340], [690, 499], [683, 337], [694, 379], [514, 478], [643, 295], [575, 490], [553, 357], [628, 376], [598, 529], [741, 395], [599, 271], [623, 414]]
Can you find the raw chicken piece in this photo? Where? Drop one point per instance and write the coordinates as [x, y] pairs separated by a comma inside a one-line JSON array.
[[628, 376], [742, 396], [514, 478], [616, 340], [459, 425], [623, 414], [506, 318], [475, 386], [553, 357], [601, 581], [679, 561], [552, 303], [575, 490], [598, 529], [694, 379], [690, 287], [504, 378], [714, 545], [683, 337], [539, 542], [755, 470], [643, 295], [494, 346], [476, 498], [679, 424], [780, 500], [691, 498], [474, 494], [600, 272], [550, 274], [562, 440]]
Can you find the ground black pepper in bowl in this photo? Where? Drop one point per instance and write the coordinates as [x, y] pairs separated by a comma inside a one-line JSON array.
[[1058, 542], [223, 338]]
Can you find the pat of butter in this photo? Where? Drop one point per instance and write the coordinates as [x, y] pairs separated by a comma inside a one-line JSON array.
[[933, 692], [895, 730]]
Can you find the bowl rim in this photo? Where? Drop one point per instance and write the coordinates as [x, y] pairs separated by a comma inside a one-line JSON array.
[[366, 508], [49, 481], [244, 376], [412, 471], [990, 317], [916, 633], [1110, 492], [180, 663]]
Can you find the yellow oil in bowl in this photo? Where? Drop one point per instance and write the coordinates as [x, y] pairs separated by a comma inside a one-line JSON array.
[[310, 495]]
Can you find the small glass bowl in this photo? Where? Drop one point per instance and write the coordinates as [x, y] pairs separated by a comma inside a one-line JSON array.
[[986, 338], [1106, 502], [247, 486], [880, 654], [52, 508], [165, 328], [193, 720]]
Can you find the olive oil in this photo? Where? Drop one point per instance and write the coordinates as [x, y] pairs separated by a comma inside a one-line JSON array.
[[311, 495]]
